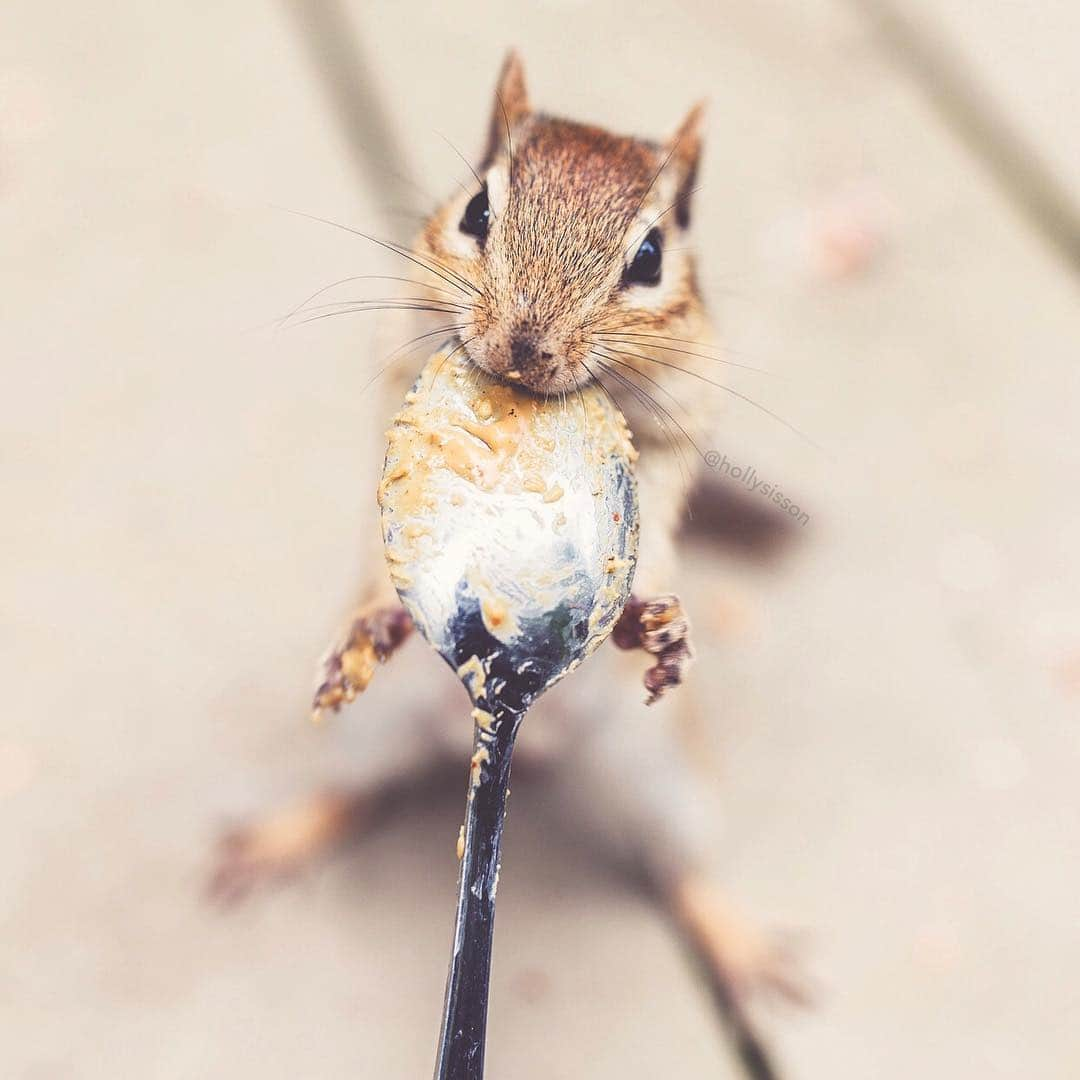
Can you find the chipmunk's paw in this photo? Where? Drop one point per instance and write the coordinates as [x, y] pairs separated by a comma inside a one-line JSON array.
[[277, 846], [755, 965], [661, 628], [746, 963], [348, 668]]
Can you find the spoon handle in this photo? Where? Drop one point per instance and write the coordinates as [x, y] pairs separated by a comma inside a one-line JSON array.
[[461, 1043]]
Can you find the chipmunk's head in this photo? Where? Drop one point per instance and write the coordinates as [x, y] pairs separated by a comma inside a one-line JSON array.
[[572, 233]]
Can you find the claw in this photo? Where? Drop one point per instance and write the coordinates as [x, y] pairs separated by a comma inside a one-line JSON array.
[[748, 963]]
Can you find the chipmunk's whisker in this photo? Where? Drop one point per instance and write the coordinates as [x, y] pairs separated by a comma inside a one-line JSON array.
[[461, 283], [610, 356], [465, 282], [667, 210], [685, 473], [363, 301], [453, 352], [651, 406], [412, 342], [625, 337], [655, 176], [360, 311], [402, 350], [728, 390], [471, 377], [509, 145], [468, 164], [355, 308], [584, 414], [667, 412], [431, 264], [360, 277]]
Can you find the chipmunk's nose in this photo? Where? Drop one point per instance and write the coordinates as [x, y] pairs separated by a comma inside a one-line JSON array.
[[527, 347]]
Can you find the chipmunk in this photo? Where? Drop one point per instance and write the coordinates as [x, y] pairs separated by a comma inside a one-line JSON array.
[[567, 262]]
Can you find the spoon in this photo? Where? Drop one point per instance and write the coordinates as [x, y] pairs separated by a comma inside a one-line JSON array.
[[510, 529]]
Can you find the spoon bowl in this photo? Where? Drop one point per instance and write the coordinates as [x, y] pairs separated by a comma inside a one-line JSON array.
[[509, 521]]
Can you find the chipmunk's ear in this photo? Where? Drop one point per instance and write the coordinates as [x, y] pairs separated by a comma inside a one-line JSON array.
[[511, 105], [685, 150]]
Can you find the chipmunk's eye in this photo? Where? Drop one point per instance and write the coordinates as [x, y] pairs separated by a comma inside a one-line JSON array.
[[645, 268], [477, 216]]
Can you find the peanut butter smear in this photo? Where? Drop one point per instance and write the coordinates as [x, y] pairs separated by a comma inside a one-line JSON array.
[[505, 442], [473, 675]]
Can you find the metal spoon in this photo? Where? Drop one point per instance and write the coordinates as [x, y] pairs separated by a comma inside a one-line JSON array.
[[510, 527]]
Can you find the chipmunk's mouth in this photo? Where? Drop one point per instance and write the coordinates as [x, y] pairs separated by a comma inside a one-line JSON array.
[[545, 373]]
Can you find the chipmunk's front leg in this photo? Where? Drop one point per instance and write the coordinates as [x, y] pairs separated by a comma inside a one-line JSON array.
[[660, 627], [379, 624], [372, 635], [654, 619]]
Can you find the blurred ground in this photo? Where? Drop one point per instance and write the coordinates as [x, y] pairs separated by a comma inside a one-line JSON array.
[[895, 716]]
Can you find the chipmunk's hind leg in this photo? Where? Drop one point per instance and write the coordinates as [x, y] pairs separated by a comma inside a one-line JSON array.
[[738, 962], [395, 750], [632, 789], [284, 843]]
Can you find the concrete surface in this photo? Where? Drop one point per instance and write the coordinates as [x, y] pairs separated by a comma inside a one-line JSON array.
[[896, 711], [1014, 53]]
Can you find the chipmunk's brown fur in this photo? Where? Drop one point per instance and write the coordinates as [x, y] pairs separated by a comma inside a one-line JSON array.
[[544, 298]]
